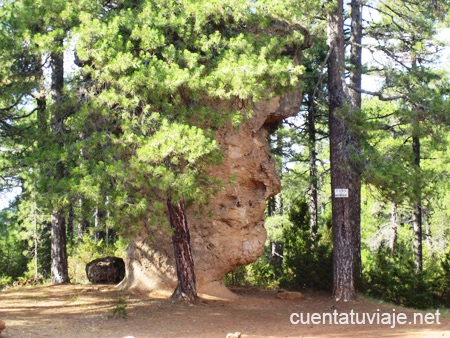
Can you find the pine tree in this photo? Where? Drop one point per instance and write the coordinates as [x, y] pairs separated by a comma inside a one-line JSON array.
[[406, 40], [33, 71], [356, 35], [155, 73]]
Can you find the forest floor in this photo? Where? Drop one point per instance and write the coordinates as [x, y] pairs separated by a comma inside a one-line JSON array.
[[94, 311]]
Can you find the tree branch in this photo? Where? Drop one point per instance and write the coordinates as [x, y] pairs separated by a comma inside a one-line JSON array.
[[378, 94], [287, 27], [12, 105]]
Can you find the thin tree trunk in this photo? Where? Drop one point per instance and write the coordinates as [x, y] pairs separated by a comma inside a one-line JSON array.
[[342, 175], [83, 222], [59, 268], [417, 207], [313, 175], [417, 221], [356, 34], [42, 123], [428, 235], [36, 242], [186, 288], [70, 220], [394, 228], [417, 210], [271, 206], [98, 231]]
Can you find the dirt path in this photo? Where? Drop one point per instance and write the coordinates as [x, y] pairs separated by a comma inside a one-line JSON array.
[[86, 310]]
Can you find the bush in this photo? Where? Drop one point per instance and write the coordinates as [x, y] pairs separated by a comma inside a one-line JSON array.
[[5, 281], [308, 260], [238, 277], [88, 250], [265, 272], [13, 262], [442, 281], [393, 279]]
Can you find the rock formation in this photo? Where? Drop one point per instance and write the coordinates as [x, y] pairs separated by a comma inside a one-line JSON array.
[[235, 234], [107, 270]]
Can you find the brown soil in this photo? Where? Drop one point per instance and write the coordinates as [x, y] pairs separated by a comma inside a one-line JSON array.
[[87, 311]]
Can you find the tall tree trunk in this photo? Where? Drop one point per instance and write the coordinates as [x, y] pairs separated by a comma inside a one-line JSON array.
[[275, 203], [428, 235], [42, 123], [356, 34], [313, 185], [417, 209], [417, 223], [186, 288], [99, 229], [59, 268], [36, 241], [83, 222], [271, 206], [70, 221], [394, 228], [342, 175]]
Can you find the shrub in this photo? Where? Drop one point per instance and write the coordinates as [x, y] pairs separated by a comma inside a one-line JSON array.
[[88, 250], [5, 281], [308, 262], [393, 279]]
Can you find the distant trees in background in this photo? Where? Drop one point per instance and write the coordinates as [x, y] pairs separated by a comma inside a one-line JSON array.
[[402, 134]]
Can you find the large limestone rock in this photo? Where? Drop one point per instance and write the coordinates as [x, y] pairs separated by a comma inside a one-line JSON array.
[[235, 235]]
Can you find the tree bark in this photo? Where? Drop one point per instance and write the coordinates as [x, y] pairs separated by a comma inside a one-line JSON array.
[[428, 235], [82, 222], [186, 288], [417, 210], [36, 241], [59, 268], [342, 175], [394, 227], [100, 231], [313, 186], [42, 123], [271, 206], [356, 34], [70, 221]]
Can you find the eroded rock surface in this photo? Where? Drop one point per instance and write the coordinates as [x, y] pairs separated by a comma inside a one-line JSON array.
[[107, 270], [235, 235]]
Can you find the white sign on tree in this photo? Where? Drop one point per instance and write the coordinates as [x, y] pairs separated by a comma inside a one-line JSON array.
[[341, 193]]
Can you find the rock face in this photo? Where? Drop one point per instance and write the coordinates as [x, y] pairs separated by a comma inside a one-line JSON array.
[[235, 234], [107, 270]]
